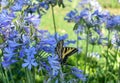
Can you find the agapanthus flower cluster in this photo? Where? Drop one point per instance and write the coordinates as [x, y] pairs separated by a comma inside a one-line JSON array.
[[24, 43]]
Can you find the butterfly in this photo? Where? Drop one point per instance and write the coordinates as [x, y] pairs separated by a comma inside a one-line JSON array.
[[64, 52]]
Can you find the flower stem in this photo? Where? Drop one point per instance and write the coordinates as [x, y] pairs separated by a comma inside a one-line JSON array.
[[90, 62], [53, 15], [77, 51], [85, 58], [107, 54], [11, 76], [6, 75]]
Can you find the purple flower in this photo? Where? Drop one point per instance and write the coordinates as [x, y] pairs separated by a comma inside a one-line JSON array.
[[78, 73], [29, 62]]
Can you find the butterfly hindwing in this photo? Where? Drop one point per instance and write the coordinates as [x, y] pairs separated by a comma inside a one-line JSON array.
[[68, 51], [64, 52]]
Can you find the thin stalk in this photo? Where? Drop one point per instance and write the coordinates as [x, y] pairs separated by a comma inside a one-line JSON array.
[[34, 75], [11, 76], [119, 73], [27, 76], [90, 62], [3, 76], [85, 58], [6, 75], [53, 15], [30, 76], [86, 52], [107, 54], [119, 65], [77, 51]]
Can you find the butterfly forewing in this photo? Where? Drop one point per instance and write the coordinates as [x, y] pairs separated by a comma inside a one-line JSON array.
[[59, 48]]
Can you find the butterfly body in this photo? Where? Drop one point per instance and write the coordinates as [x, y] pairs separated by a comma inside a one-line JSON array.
[[64, 52]]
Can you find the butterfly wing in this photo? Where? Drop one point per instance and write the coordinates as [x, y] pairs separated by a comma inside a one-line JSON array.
[[59, 48], [66, 52]]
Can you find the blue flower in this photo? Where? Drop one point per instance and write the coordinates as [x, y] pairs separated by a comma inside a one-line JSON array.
[[44, 5], [48, 44], [8, 53], [69, 42], [71, 16], [29, 62], [6, 18], [34, 19], [13, 43], [80, 29], [25, 39], [116, 39], [6, 64], [63, 37], [31, 51], [54, 64], [24, 2], [8, 57], [113, 22], [44, 65], [13, 34], [78, 73], [16, 7]]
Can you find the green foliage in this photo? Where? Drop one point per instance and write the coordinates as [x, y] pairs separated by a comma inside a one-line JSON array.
[[109, 3]]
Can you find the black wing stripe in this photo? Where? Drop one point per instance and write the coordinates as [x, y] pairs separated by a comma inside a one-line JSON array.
[[66, 56], [68, 51], [59, 48]]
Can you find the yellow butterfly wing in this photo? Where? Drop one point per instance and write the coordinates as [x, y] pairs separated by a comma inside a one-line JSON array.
[[59, 48], [68, 51], [64, 52]]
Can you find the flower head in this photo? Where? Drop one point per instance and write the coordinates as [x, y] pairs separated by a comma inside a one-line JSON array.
[[78, 73], [29, 62]]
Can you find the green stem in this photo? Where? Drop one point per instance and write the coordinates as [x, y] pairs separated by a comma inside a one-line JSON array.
[[90, 62], [107, 55], [34, 75], [77, 51], [119, 73], [3, 76], [53, 15], [28, 76], [6, 75], [85, 58], [119, 66], [11, 76]]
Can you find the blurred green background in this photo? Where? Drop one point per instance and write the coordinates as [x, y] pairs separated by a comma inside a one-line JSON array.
[[113, 6]]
